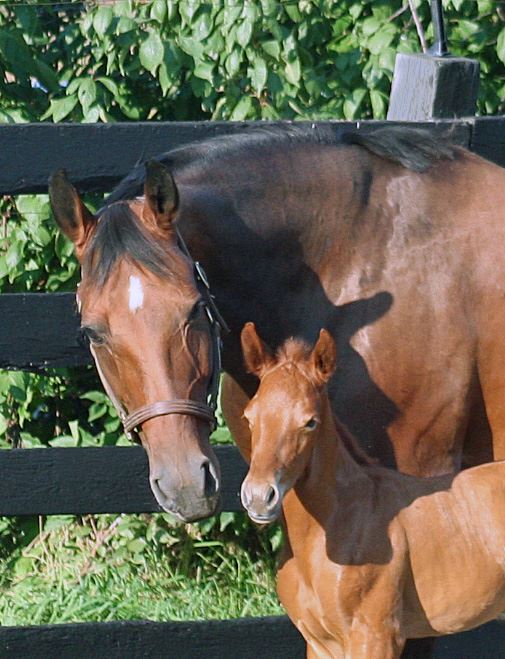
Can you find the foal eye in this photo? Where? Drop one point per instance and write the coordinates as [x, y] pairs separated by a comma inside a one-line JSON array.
[[311, 423]]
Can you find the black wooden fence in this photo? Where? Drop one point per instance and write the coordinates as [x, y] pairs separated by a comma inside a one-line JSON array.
[[39, 331]]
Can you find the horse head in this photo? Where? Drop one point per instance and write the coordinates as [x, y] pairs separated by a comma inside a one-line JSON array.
[[150, 332], [285, 416]]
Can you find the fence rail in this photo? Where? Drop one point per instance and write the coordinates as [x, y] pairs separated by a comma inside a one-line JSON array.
[[108, 479], [39, 331]]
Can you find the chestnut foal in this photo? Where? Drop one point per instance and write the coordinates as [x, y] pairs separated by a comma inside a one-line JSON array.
[[372, 556]]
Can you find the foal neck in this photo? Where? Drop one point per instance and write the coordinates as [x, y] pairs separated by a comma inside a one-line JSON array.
[[332, 469]]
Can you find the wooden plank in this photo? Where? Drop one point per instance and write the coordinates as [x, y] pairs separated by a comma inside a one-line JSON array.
[[109, 479], [96, 156], [40, 330], [488, 138], [249, 638]]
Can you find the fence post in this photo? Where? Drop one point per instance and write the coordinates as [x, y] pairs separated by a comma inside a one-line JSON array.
[[433, 85]]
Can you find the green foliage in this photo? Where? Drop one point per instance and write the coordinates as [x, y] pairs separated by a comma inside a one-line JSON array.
[[195, 59]]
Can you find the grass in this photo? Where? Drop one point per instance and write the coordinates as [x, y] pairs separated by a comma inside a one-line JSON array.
[[101, 568]]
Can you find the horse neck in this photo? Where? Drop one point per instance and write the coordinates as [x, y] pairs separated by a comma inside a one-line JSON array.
[[332, 475]]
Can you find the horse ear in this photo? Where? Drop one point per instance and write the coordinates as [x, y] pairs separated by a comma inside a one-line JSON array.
[[161, 195], [257, 355], [71, 215], [324, 357]]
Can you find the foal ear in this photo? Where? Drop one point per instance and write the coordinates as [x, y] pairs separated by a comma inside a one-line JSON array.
[[161, 195], [324, 357], [71, 215], [257, 355]]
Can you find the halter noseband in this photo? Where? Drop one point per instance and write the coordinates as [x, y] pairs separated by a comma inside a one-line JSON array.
[[204, 411]]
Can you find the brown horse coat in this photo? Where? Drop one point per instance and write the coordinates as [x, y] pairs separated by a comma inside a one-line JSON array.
[[392, 241], [372, 557]]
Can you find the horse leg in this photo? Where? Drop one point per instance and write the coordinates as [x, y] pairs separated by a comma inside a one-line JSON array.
[[233, 403], [316, 650], [379, 645]]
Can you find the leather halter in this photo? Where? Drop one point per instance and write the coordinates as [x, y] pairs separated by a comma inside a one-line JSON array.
[[204, 411]]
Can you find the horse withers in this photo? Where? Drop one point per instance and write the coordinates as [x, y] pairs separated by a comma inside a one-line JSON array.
[[372, 557], [151, 333]]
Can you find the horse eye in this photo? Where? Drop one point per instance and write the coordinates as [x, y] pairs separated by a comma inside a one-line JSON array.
[[90, 335], [196, 312], [311, 423]]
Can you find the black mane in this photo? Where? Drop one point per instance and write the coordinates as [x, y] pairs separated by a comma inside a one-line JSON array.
[[414, 148], [119, 234]]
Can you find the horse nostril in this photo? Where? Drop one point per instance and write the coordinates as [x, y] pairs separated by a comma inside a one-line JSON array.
[[272, 497], [210, 483]]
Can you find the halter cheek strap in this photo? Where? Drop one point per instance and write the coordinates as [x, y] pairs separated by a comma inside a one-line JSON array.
[[205, 411]]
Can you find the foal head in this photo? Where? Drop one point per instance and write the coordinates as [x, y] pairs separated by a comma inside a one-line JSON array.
[[142, 311], [285, 416]]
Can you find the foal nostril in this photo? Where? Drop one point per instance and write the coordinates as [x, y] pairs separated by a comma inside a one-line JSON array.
[[210, 483]]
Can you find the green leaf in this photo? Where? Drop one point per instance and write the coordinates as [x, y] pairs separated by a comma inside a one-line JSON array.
[[293, 71], [109, 84], [232, 64], [293, 12], [259, 74], [86, 93], [204, 70], [242, 109], [63, 441], [136, 546], [74, 429], [191, 47], [381, 39], [271, 48], [379, 104], [95, 396], [159, 11], [500, 45], [13, 256], [96, 411], [187, 9], [353, 103], [151, 52], [370, 26], [244, 32], [61, 107], [102, 19], [125, 25], [269, 7], [202, 26]]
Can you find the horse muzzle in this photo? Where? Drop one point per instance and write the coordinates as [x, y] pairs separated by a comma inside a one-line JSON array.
[[197, 499], [262, 501]]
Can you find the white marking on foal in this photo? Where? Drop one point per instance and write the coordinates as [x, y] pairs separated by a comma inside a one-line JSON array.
[[136, 294]]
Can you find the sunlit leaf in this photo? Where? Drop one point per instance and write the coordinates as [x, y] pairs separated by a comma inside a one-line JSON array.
[[151, 52]]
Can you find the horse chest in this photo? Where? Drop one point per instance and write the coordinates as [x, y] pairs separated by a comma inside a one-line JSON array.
[[309, 589]]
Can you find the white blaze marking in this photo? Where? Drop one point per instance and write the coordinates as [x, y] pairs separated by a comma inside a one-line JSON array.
[[136, 293]]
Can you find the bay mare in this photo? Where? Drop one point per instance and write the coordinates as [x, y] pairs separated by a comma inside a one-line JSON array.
[[371, 556], [393, 241]]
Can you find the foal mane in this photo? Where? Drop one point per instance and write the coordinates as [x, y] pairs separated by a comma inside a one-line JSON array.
[[414, 148], [297, 351], [119, 234]]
